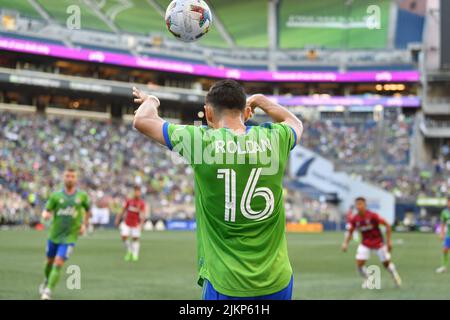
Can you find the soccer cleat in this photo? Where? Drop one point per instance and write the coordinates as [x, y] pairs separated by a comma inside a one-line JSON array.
[[441, 269], [46, 294], [364, 284], [128, 256], [134, 258], [42, 287]]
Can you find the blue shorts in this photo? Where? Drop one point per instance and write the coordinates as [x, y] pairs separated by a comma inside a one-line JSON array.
[[447, 242], [209, 293], [62, 250]]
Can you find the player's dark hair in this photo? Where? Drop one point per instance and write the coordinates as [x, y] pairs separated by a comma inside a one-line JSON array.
[[70, 169], [360, 199], [226, 94]]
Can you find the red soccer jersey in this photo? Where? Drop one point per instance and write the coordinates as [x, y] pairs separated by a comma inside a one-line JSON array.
[[134, 209], [369, 226]]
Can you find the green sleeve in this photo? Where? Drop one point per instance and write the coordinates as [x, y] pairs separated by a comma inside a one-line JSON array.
[[444, 216], [287, 136], [51, 203], [182, 140], [86, 202]]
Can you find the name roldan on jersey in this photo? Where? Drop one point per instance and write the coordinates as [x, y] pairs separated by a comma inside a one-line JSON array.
[[242, 147]]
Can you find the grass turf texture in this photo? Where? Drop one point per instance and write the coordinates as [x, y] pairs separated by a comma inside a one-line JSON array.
[[167, 269]]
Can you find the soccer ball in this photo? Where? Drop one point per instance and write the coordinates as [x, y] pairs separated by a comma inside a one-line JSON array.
[[188, 20]]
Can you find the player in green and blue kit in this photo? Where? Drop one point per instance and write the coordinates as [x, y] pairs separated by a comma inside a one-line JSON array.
[[69, 209], [239, 170], [445, 236]]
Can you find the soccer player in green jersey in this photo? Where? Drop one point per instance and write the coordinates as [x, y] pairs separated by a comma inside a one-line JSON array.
[[70, 210], [445, 237], [238, 169]]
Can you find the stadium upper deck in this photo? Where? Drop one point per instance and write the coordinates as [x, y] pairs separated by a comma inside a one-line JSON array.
[[307, 37]]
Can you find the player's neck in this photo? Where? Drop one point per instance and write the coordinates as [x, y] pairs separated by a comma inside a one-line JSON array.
[[233, 123], [70, 191]]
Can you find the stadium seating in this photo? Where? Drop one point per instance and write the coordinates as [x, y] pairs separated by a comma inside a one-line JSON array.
[[112, 157], [247, 27], [347, 143], [58, 11], [21, 6], [322, 36], [138, 18]]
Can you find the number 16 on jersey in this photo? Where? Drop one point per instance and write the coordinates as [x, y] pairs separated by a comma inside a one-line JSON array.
[[250, 193]]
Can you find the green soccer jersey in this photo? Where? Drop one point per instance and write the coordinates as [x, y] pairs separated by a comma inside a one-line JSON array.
[[241, 243], [68, 213], [445, 219]]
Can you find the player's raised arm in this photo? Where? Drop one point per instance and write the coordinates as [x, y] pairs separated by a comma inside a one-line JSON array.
[[146, 119], [277, 112]]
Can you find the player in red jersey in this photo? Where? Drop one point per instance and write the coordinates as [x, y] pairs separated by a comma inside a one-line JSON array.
[[368, 223], [134, 211]]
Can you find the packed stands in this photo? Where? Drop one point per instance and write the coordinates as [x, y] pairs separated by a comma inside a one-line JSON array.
[[112, 157], [356, 143]]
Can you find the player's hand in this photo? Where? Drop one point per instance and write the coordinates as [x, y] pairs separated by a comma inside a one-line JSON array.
[[254, 101], [442, 237], [344, 247], [140, 97], [46, 215], [117, 223]]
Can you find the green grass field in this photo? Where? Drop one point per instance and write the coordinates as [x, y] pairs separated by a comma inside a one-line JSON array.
[[167, 268]]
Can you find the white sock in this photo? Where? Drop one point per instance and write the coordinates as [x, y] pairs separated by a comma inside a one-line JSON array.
[[362, 272], [391, 268], [135, 248], [127, 244]]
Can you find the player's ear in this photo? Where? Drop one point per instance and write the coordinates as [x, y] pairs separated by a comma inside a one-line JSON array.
[[247, 113], [209, 114]]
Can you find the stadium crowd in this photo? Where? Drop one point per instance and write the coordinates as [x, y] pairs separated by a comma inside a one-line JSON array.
[[360, 143], [112, 157]]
